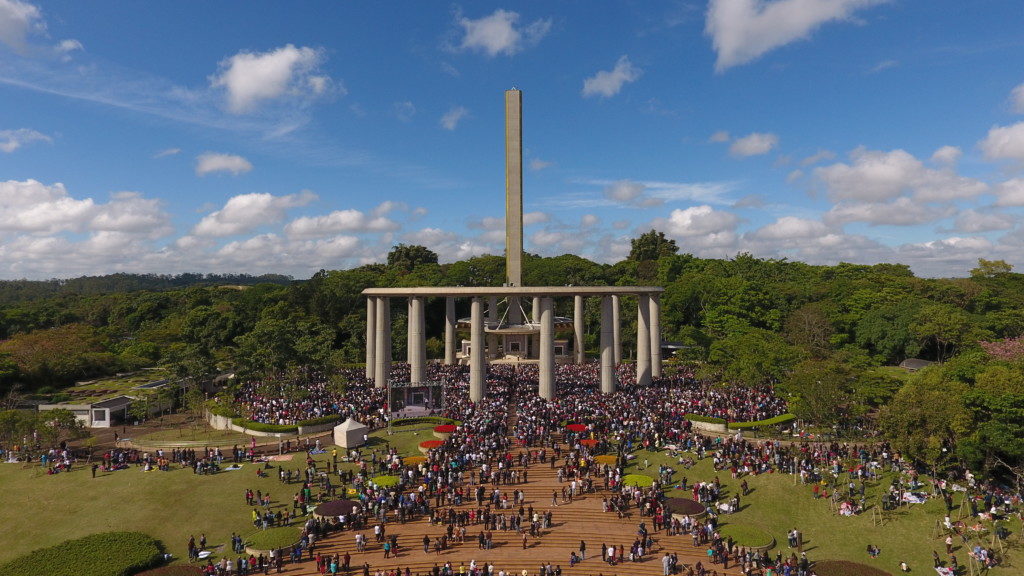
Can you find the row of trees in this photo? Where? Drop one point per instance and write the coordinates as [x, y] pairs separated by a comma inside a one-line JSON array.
[[822, 334]]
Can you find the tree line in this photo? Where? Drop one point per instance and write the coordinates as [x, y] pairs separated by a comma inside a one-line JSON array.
[[828, 337]]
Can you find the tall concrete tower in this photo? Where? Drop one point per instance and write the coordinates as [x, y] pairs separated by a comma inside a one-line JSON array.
[[514, 187]]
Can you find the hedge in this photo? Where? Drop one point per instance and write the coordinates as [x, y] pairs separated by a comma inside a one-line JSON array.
[[780, 419], [175, 570], [261, 427], [330, 419], [273, 538], [102, 554], [708, 419], [425, 420]]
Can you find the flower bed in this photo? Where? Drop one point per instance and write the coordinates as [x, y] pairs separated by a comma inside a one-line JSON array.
[[335, 508], [414, 460], [748, 536], [638, 480], [576, 428], [685, 507], [846, 568], [589, 442], [609, 459], [428, 445], [386, 480], [444, 431], [103, 554]]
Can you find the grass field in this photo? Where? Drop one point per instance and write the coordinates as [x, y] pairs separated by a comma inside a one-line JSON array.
[[189, 434], [777, 505], [45, 510]]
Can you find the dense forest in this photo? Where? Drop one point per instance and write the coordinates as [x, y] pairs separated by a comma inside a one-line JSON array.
[[823, 335]]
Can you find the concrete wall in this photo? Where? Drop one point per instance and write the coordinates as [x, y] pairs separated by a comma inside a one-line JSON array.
[[709, 426]]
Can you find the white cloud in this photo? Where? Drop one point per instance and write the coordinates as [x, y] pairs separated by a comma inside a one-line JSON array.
[[900, 212], [253, 77], [743, 30], [213, 162], [531, 218], [974, 221], [716, 226], [167, 152], [947, 155], [17, 19], [35, 208], [452, 117], [720, 136], [791, 227], [608, 83], [66, 47], [754, 144], [876, 176], [819, 156], [589, 221], [246, 212], [338, 221], [536, 164], [1004, 143], [404, 111], [1010, 193], [11, 140], [1017, 99], [499, 33], [883, 65], [625, 191]]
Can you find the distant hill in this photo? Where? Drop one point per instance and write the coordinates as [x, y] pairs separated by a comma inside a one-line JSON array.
[[14, 291]]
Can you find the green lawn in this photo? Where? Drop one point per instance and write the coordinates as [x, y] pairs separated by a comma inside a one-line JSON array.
[[43, 510], [189, 434], [777, 505]]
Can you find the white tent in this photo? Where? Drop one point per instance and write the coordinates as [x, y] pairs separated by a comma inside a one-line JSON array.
[[349, 434]]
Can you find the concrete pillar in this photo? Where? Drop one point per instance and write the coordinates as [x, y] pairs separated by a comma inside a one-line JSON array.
[[655, 336], [492, 319], [535, 338], [382, 347], [514, 187], [371, 337], [643, 340], [577, 329], [417, 351], [449, 330], [546, 384], [616, 330], [477, 364], [607, 354]]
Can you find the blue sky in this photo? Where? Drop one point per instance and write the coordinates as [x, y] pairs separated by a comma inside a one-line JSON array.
[[280, 137]]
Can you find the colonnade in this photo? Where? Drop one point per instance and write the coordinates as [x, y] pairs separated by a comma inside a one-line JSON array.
[[648, 357]]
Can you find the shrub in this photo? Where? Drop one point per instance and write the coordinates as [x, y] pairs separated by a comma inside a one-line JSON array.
[[638, 480], [261, 427], [273, 538], [103, 554], [746, 535], [431, 444], [444, 428], [708, 419], [425, 420], [414, 460], [780, 419], [321, 420]]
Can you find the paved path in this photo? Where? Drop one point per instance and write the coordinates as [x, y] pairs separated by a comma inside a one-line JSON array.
[[581, 519]]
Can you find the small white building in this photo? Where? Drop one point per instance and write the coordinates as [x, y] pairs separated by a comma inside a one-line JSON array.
[[350, 434]]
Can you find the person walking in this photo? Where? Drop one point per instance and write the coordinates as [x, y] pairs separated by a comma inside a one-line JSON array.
[[583, 550]]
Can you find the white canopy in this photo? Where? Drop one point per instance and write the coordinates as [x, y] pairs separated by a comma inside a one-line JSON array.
[[350, 434]]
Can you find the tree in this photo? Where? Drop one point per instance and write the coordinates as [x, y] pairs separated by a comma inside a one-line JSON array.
[[754, 357], [942, 326], [651, 246], [822, 393], [991, 268], [927, 417], [406, 257], [809, 328]]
